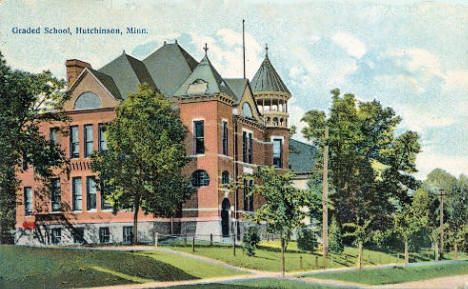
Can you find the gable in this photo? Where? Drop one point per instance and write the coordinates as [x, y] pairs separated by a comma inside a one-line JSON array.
[[247, 98], [84, 91]]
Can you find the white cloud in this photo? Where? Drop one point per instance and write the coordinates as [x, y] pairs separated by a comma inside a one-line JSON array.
[[295, 115], [420, 120], [418, 60], [352, 45], [428, 160]]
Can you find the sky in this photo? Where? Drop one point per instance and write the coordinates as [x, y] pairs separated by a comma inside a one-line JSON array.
[[409, 55]]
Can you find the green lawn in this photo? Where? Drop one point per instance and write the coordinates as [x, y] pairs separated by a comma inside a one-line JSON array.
[[396, 274], [24, 267], [267, 257], [262, 283]]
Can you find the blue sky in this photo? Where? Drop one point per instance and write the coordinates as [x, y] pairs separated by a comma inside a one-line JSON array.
[[410, 55]]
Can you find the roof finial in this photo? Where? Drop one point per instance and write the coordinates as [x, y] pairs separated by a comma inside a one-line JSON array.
[[176, 41], [123, 52], [266, 50], [206, 48], [165, 43]]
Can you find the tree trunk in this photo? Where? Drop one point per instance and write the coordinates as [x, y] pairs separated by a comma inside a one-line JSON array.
[[455, 247], [436, 251], [283, 268], [136, 209], [361, 249], [406, 252]]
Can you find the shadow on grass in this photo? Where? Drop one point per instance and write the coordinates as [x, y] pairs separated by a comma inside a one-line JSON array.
[[65, 268]]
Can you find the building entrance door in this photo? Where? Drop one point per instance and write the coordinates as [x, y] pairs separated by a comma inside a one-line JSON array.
[[225, 217]]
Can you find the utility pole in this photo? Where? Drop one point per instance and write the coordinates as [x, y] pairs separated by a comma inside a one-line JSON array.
[[243, 46], [441, 191], [325, 200]]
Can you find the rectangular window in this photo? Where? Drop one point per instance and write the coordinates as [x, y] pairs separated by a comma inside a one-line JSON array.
[[55, 197], [199, 137], [56, 236], [244, 195], [77, 194], [225, 137], [102, 137], [88, 140], [251, 199], [250, 148], [90, 193], [74, 142], [105, 205], [127, 234], [27, 201], [104, 235], [78, 235], [278, 153], [53, 135], [244, 146]]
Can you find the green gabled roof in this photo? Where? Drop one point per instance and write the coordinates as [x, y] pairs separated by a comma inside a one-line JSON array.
[[127, 73], [108, 82], [169, 66], [238, 86], [267, 79], [206, 73], [300, 158]]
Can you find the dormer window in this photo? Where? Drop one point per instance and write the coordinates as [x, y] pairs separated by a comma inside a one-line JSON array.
[[199, 86]]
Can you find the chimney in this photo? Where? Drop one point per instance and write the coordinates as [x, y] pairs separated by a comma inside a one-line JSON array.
[[74, 68]]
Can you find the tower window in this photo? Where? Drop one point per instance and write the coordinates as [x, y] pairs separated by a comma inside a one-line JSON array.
[[225, 137], [277, 153], [199, 136]]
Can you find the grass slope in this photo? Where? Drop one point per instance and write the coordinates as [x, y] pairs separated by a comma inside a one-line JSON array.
[[23, 267], [262, 283], [267, 257], [396, 274]]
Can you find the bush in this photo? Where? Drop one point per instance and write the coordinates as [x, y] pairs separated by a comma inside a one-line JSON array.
[[251, 240], [335, 241], [306, 240]]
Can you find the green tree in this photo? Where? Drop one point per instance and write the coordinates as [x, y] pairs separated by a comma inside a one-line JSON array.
[[282, 211], [251, 240], [370, 166], [26, 101], [457, 209], [335, 242], [361, 232], [307, 239], [142, 166]]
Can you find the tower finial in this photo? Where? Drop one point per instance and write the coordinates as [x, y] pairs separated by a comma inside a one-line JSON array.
[[206, 48], [266, 50]]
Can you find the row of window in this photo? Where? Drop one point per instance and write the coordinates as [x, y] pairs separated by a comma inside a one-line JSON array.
[[88, 139], [200, 178], [77, 196], [104, 235]]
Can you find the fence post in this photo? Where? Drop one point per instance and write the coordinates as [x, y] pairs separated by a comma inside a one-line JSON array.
[[316, 262], [185, 240], [234, 244], [301, 264], [156, 239], [211, 240], [193, 244]]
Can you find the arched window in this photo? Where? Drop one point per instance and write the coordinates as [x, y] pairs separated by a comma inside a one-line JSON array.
[[87, 100], [200, 178], [247, 110], [225, 178]]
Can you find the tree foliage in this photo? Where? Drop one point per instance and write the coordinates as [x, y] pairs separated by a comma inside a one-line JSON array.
[[282, 211], [26, 100], [307, 239], [370, 166], [251, 239], [142, 166], [335, 242]]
